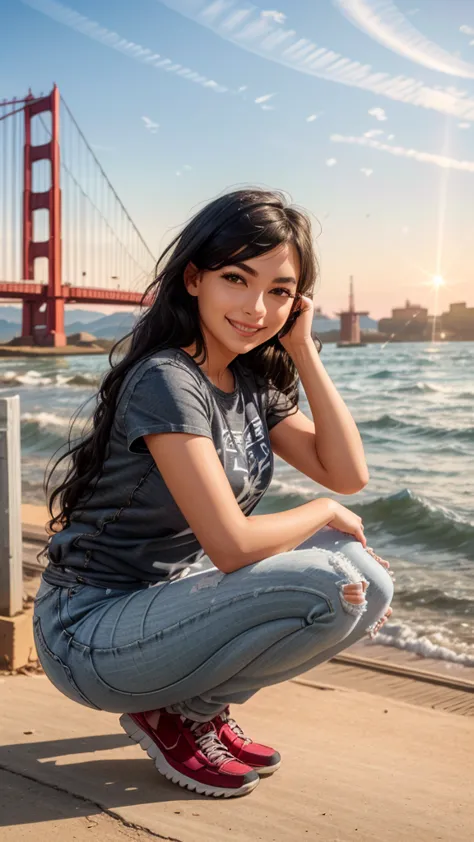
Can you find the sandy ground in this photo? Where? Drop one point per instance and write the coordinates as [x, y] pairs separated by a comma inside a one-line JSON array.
[[32, 515]]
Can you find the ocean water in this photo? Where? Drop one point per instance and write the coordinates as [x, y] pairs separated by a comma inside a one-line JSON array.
[[413, 404]]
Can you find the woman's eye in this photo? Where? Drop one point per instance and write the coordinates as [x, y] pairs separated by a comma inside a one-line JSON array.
[[231, 276], [287, 292]]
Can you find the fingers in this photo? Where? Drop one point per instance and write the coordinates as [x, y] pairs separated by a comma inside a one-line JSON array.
[[385, 564], [359, 534], [378, 625], [354, 592]]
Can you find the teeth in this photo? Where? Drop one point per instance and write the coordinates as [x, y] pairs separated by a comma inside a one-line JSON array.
[[246, 329]]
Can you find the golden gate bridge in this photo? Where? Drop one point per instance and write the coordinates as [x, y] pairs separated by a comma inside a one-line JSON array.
[[65, 235]]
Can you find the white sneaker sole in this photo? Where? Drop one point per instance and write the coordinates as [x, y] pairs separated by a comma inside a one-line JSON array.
[[268, 770], [141, 737]]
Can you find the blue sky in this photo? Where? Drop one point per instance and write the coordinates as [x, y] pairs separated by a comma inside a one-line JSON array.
[[229, 93]]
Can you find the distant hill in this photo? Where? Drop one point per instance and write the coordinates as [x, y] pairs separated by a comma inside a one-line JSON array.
[[8, 330], [13, 314], [10, 314], [112, 326]]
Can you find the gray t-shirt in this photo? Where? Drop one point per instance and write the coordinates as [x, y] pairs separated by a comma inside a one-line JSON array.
[[127, 532]]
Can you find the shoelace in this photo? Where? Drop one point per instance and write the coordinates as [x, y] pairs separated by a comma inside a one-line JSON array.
[[211, 746], [236, 728]]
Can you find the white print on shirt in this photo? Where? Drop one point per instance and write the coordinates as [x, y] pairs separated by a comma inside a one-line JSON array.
[[251, 457]]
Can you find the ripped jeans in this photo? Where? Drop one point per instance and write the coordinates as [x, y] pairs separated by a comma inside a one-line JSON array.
[[209, 639]]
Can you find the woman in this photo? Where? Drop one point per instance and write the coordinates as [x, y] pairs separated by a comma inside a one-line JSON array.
[[179, 454]]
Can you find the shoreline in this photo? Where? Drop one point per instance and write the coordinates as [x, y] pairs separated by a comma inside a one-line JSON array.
[[75, 350], [67, 351]]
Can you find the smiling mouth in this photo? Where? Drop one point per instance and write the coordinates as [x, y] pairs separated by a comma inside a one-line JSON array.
[[243, 329]]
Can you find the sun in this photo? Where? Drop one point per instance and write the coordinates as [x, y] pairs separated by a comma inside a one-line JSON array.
[[438, 281]]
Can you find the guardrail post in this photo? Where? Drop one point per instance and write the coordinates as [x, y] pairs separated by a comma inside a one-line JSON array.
[[11, 574]]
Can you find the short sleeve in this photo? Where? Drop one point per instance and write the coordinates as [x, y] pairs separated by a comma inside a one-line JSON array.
[[278, 406], [165, 398]]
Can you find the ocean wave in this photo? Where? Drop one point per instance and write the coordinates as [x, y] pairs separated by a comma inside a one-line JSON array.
[[45, 432], [413, 519], [390, 422], [382, 374], [10, 379], [416, 388], [404, 515], [435, 598], [403, 636]]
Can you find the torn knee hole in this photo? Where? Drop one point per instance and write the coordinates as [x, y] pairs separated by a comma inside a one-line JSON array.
[[353, 587]]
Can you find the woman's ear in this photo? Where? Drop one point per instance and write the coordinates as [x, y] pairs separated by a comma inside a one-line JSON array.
[[191, 278]]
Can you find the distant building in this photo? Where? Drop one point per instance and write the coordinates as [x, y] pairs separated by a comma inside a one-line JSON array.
[[350, 325], [458, 321], [410, 321]]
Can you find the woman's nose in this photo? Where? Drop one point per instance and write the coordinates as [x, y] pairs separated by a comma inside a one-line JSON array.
[[254, 305]]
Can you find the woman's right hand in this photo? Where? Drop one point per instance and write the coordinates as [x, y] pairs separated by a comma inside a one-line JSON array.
[[346, 521]]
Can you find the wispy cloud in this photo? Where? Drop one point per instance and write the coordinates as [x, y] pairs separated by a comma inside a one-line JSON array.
[[468, 30], [313, 117], [80, 23], [366, 171], [150, 125], [243, 25], [184, 168], [385, 23], [378, 113], [264, 98], [278, 17], [331, 162], [402, 152], [464, 125], [374, 133]]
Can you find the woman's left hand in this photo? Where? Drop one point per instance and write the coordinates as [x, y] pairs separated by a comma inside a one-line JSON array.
[[381, 561], [300, 333]]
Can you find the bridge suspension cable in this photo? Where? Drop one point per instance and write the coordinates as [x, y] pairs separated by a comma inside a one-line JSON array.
[[11, 185], [102, 245]]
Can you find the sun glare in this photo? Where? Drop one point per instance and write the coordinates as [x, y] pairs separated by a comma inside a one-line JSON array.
[[438, 281]]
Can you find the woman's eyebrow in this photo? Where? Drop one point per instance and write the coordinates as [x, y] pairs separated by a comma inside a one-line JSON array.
[[254, 273]]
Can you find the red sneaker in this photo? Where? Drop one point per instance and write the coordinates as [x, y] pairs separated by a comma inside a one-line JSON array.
[[191, 754], [263, 759]]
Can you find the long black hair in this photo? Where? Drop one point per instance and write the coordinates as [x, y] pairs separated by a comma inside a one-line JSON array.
[[249, 222]]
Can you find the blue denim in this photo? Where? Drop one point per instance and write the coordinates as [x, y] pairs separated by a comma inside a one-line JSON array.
[[208, 639]]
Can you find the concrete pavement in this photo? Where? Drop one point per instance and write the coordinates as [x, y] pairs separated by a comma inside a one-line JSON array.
[[355, 766]]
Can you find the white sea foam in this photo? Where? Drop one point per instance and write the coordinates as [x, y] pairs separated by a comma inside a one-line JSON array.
[[428, 644], [45, 420], [34, 378]]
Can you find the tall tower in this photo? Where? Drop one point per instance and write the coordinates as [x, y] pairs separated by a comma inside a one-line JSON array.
[[43, 318], [350, 327]]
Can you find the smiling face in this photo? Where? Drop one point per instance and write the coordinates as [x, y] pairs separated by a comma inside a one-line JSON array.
[[244, 304]]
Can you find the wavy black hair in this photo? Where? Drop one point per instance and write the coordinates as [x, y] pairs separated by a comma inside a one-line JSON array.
[[248, 222]]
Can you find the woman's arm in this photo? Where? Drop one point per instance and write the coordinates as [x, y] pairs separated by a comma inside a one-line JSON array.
[[195, 477], [293, 439], [333, 448], [336, 441]]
